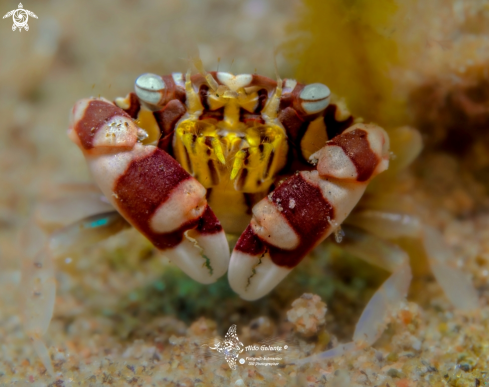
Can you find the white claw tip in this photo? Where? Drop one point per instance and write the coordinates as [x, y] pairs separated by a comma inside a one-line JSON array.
[[253, 277], [203, 257]]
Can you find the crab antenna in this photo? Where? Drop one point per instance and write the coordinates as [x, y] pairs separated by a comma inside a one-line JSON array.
[[271, 108], [208, 77], [279, 80]]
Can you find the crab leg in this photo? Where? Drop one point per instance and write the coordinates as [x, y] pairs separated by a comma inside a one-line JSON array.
[[151, 190], [385, 301], [38, 290], [80, 201], [389, 224], [305, 209], [38, 278], [455, 283]]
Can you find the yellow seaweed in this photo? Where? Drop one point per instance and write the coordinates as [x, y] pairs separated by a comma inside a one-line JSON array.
[[351, 47]]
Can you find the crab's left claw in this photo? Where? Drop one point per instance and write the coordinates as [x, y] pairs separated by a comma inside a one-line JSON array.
[[151, 190], [305, 209]]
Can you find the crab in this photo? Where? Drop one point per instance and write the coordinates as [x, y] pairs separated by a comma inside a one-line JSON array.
[[185, 159]]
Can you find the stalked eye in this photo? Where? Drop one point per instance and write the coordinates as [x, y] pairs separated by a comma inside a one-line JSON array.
[[150, 88], [314, 98]]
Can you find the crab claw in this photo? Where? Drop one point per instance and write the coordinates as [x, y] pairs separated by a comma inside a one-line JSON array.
[[305, 209], [203, 253], [252, 272], [151, 190]]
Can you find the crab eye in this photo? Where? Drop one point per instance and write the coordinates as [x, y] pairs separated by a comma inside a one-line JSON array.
[[314, 98], [149, 88]]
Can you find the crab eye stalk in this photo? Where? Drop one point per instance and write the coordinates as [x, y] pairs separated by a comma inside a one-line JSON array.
[[150, 89], [314, 98]]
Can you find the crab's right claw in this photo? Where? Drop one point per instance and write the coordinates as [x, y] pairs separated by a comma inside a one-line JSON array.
[[305, 209], [151, 190]]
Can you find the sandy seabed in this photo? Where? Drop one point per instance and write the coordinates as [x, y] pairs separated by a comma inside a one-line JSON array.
[[126, 317]]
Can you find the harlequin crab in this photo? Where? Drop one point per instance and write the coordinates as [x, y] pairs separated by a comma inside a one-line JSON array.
[[185, 157]]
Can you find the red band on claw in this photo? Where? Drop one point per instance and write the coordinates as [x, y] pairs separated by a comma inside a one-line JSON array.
[[356, 146], [250, 243], [97, 113], [306, 210], [147, 184], [208, 223]]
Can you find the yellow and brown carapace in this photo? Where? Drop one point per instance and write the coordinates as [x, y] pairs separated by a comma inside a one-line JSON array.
[[237, 135]]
